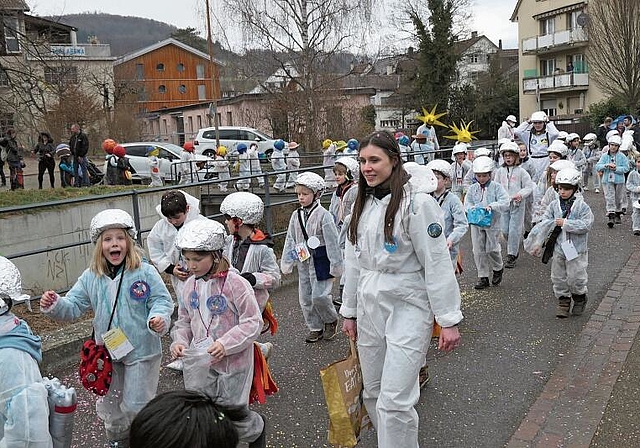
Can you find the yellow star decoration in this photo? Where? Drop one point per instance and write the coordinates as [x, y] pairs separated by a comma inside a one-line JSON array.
[[462, 133], [431, 118]]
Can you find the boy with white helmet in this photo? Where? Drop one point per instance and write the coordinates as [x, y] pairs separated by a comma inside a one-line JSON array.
[[633, 186], [573, 220], [592, 154], [312, 245], [345, 171], [455, 220], [130, 304], [250, 251], [613, 165], [575, 154], [518, 185], [551, 193], [556, 151], [537, 133], [24, 409], [492, 197], [469, 178], [459, 169], [217, 326], [254, 163], [507, 129]]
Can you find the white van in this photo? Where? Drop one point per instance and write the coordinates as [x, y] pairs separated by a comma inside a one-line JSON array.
[[231, 137]]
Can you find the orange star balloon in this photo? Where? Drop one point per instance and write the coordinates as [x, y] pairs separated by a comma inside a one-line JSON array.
[[462, 133], [431, 118]]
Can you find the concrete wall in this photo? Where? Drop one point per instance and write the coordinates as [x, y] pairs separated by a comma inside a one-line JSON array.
[[66, 224]]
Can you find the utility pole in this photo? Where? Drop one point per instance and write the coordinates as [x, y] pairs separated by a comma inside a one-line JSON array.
[[213, 107]]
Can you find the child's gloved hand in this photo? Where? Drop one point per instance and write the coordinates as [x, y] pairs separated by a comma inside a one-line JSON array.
[[48, 299], [177, 350]]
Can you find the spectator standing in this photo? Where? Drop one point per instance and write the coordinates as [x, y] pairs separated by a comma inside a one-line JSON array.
[[13, 159], [79, 144], [46, 162], [507, 128]]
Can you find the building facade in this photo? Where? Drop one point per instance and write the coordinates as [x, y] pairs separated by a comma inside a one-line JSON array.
[[553, 64]]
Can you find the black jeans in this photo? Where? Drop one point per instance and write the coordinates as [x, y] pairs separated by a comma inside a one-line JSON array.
[[3, 178], [46, 164]]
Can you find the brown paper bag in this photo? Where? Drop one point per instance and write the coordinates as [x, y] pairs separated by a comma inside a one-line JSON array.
[[342, 383]]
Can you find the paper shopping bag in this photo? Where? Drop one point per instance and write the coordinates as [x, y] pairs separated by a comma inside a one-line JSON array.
[[342, 384]]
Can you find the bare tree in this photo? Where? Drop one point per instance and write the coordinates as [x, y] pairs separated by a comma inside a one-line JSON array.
[[304, 36], [614, 52]]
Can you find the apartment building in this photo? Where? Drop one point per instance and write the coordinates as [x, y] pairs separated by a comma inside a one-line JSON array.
[[553, 68]]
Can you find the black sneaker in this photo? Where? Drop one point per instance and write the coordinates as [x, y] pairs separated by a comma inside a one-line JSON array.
[[510, 262], [616, 219], [636, 232], [330, 330], [624, 210], [314, 336], [611, 222], [261, 441], [579, 301], [483, 282], [497, 277]]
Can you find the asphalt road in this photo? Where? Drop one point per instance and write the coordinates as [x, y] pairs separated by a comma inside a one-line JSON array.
[[478, 395]]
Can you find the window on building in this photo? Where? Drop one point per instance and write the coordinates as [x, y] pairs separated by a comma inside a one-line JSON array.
[[199, 121], [473, 58], [164, 126], [180, 67], [550, 107], [142, 94], [200, 71], [182, 88], [162, 88], [11, 42], [229, 118], [4, 78], [61, 75], [202, 92], [578, 62], [547, 67], [572, 20], [547, 26], [139, 71], [160, 67], [190, 123]]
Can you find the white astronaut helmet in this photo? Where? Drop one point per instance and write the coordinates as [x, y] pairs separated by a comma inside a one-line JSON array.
[[569, 176], [203, 235], [422, 177], [482, 152], [589, 138], [614, 140], [352, 166], [511, 118], [311, 180], [509, 147], [559, 148], [244, 205], [483, 165], [440, 166], [539, 116], [559, 165], [112, 218], [562, 135]]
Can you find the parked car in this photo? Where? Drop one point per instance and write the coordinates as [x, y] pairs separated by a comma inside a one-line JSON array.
[[169, 156], [231, 137]]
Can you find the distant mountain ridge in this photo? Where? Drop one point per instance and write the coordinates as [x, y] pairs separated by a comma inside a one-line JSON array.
[[124, 33]]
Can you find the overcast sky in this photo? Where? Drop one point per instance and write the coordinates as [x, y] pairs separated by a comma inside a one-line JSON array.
[[490, 17]]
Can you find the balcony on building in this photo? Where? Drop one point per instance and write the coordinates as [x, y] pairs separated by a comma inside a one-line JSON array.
[[576, 80], [555, 42]]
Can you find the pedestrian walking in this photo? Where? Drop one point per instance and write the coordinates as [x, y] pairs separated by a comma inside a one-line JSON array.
[[13, 159], [613, 165], [79, 145]]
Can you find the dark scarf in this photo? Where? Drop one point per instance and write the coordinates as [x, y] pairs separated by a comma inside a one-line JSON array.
[[342, 189], [566, 204]]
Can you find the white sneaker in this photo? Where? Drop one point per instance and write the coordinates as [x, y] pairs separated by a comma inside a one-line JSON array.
[[266, 348], [177, 365], [597, 190]]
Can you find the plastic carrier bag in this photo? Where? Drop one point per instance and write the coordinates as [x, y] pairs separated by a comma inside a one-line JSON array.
[[480, 217]]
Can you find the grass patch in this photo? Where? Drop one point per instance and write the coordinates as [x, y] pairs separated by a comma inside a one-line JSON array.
[[24, 197]]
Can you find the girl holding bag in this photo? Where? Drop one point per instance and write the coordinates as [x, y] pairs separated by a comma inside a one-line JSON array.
[[398, 276], [132, 307]]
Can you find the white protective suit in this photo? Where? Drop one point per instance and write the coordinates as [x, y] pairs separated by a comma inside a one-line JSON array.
[[340, 206], [458, 173], [578, 158], [516, 181], [256, 168], [278, 163], [260, 261], [526, 165], [221, 166], [405, 152], [421, 148], [395, 294], [328, 158], [486, 240], [154, 170], [506, 131], [455, 221], [187, 174], [570, 277], [592, 154], [24, 409], [229, 380], [135, 377], [615, 195], [293, 163], [537, 144], [314, 294], [162, 251], [245, 170], [633, 186], [431, 143]]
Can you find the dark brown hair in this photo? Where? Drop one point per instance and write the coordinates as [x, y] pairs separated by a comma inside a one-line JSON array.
[[385, 141]]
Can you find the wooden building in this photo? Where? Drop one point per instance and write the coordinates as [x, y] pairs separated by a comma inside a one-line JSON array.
[[166, 75]]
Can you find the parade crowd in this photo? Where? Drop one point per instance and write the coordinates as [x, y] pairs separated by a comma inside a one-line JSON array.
[[390, 238]]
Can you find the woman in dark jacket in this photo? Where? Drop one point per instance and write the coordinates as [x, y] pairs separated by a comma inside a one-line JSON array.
[[46, 162]]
